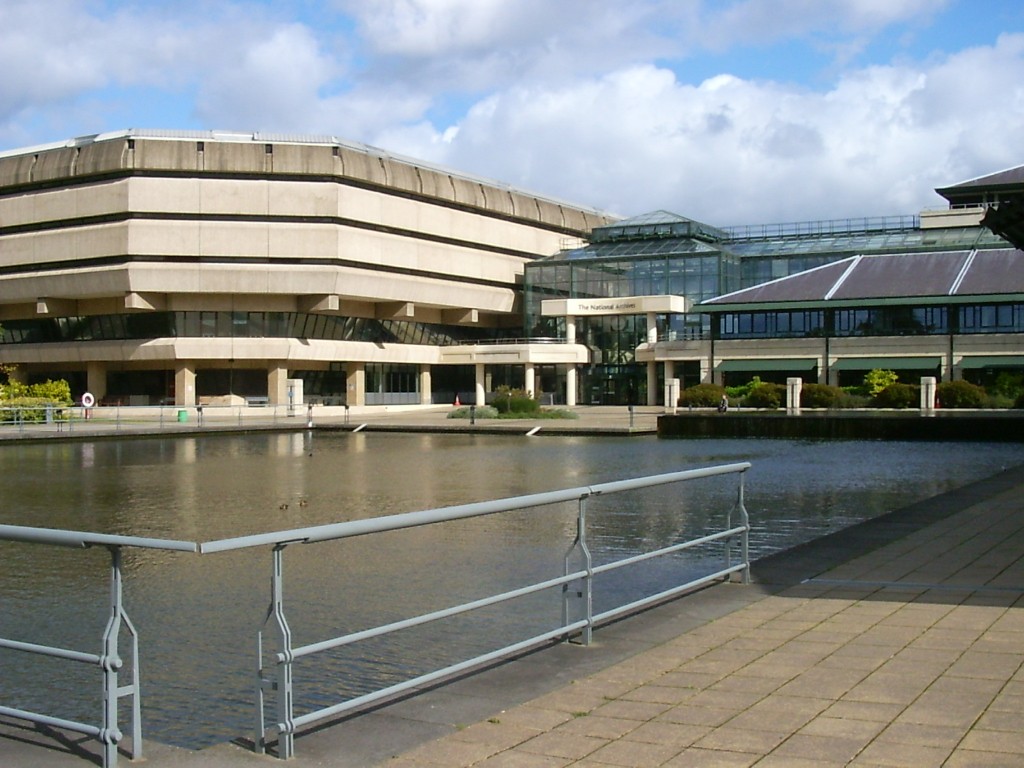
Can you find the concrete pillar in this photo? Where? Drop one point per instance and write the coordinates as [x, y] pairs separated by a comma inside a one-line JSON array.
[[652, 383], [426, 387], [570, 329], [928, 393], [277, 385], [670, 370], [652, 328], [531, 380], [184, 385], [480, 377], [833, 374], [706, 372], [355, 386], [794, 386], [96, 379], [570, 385]]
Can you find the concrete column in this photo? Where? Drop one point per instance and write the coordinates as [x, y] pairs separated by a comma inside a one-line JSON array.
[[355, 387], [652, 328], [670, 369], [833, 374], [794, 386], [570, 329], [480, 376], [425, 385], [652, 383], [927, 393], [570, 385], [184, 385], [531, 380], [96, 379], [277, 385], [706, 372]]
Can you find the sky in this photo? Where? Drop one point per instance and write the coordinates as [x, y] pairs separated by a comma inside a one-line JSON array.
[[725, 111]]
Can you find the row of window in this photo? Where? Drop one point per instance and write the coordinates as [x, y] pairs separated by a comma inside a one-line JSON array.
[[874, 321], [295, 325]]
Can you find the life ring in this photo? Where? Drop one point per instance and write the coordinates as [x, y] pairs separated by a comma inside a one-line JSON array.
[[88, 401]]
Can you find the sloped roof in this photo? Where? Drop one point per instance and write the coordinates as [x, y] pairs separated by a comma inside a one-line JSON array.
[[1009, 177], [889, 278]]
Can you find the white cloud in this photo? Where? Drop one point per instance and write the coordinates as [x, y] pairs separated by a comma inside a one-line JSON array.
[[733, 151], [765, 21], [584, 100]]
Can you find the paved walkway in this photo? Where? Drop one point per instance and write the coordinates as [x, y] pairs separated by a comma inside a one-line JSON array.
[[908, 655]]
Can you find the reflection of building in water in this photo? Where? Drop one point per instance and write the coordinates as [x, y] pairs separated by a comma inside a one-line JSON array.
[[181, 267]]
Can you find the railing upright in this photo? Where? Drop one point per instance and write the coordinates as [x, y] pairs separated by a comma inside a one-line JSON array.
[[586, 594], [281, 681], [109, 661]]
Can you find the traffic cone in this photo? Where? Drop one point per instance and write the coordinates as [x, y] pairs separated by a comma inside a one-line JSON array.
[[457, 403]]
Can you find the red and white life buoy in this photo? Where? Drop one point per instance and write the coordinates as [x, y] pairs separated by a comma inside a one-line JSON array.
[[88, 401]]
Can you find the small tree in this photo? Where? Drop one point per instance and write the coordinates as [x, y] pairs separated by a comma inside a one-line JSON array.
[[765, 395], [897, 395], [701, 396], [814, 395], [960, 394], [509, 400], [878, 379]]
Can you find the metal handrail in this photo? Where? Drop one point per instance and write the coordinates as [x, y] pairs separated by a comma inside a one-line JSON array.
[[110, 661], [279, 678]]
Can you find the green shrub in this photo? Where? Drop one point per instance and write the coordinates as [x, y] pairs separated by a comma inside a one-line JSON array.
[[514, 401], [960, 394], [878, 379], [741, 391], [481, 412], [898, 396], [56, 392], [821, 396], [28, 408], [765, 395], [701, 396], [1008, 384]]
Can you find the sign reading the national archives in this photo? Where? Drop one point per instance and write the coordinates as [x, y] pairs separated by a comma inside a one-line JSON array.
[[625, 305]]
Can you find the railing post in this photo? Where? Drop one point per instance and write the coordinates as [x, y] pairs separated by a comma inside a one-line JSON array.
[[745, 521], [110, 663], [282, 680], [588, 589]]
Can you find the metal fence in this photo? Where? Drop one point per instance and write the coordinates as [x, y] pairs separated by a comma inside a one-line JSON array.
[[575, 584], [53, 419], [110, 660], [276, 667]]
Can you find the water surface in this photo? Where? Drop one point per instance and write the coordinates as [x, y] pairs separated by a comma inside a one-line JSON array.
[[197, 615]]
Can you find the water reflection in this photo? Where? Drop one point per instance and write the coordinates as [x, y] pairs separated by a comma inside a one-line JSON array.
[[197, 615]]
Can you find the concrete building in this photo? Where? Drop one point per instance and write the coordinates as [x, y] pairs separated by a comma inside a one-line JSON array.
[[934, 294], [182, 267], [188, 267]]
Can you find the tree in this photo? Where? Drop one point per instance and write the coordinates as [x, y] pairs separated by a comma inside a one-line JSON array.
[[878, 379]]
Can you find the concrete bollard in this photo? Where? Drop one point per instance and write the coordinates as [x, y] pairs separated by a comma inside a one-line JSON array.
[[794, 386], [928, 391]]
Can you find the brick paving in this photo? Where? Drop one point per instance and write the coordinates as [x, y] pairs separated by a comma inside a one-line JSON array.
[[909, 655]]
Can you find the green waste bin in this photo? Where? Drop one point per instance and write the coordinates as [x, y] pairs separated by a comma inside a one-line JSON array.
[[182, 415]]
